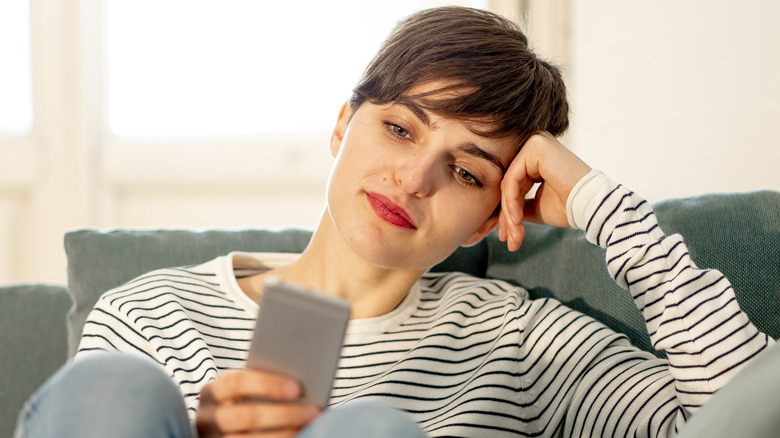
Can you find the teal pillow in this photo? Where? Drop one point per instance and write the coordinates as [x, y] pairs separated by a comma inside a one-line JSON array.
[[101, 260], [738, 234], [32, 318]]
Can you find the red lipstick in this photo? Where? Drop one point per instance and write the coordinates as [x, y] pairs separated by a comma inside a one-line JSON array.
[[390, 211]]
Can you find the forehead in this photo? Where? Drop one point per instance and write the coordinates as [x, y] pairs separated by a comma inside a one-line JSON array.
[[443, 98], [498, 151]]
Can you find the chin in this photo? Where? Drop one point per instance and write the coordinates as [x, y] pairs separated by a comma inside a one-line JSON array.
[[378, 248], [383, 245], [391, 253]]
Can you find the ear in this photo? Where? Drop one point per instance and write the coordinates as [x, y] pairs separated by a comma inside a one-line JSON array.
[[341, 127], [482, 231]]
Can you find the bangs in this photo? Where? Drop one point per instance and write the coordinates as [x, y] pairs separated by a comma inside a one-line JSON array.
[[489, 77], [456, 100]]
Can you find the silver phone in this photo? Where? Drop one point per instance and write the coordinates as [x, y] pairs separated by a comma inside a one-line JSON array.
[[300, 333]]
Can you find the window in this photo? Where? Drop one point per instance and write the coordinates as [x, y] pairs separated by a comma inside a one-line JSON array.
[[238, 67], [16, 108]]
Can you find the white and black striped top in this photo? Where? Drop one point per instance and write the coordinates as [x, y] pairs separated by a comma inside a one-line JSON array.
[[474, 357]]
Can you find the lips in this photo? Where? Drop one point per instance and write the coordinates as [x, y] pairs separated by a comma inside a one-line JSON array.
[[390, 211]]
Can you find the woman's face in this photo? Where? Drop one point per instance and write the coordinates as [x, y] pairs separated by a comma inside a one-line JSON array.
[[408, 186]]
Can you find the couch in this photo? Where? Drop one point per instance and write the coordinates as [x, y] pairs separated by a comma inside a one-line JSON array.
[[737, 233]]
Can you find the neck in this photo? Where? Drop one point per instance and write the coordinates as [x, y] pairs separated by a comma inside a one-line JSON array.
[[330, 266]]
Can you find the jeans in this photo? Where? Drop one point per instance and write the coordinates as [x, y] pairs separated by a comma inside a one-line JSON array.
[[119, 395], [94, 397], [748, 406]]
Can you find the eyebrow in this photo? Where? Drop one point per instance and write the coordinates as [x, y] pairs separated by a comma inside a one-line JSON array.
[[416, 110], [468, 147], [472, 149]]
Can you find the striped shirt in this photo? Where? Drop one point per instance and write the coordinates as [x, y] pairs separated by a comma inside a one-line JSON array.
[[467, 356]]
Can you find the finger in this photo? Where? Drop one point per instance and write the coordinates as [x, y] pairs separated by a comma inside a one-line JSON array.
[[509, 232], [263, 417], [250, 383], [532, 212], [505, 225], [515, 185], [516, 237], [501, 225], [281, 433], [546, 207]]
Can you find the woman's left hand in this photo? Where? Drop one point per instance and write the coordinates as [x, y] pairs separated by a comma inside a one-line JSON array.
[[542, 159]]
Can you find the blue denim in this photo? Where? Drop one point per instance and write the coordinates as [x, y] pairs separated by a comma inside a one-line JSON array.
[[748, 406], [363, 419], [119, 395], [106, 395]]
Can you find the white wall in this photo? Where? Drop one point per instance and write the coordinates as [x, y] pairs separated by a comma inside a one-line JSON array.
[[71, 172], [675, 98], [670, 97]]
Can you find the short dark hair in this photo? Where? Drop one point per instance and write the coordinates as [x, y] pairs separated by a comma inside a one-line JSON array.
[[480, 56]]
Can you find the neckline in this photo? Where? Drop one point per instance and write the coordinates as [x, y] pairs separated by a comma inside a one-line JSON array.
[[252, 263]]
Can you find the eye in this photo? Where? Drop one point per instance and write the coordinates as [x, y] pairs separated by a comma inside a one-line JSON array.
[[398, 130], [466, 177]]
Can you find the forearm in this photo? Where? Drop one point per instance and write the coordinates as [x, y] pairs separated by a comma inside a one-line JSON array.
[[691, 313]]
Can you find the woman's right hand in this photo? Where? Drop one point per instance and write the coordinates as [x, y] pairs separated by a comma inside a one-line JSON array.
[[252, 403], [542, 159]]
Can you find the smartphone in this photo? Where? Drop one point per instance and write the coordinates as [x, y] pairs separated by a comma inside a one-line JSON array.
[[300, 333]]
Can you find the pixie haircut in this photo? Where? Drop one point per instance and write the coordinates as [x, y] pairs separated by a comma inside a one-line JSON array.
[[490, 75]]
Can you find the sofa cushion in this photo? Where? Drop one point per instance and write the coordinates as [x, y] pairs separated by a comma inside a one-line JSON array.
[[32, 323], [101, 260], [736, 233]]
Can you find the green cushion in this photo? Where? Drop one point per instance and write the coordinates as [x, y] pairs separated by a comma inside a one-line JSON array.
[[32, 323], [101, 260], [736, 233]]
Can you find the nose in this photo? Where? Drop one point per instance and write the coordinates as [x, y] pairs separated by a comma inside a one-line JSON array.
[[417, 175]]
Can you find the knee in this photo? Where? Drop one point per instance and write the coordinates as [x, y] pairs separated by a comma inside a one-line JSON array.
[[97, 368], [137, 383], [109, 377], [106, 392], [364, 418], [758, 383], [746, 406]]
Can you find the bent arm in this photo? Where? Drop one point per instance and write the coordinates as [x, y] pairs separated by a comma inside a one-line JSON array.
[[690, 313]]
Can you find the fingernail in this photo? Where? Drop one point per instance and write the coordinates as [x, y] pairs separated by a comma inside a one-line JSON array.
[[292, 390], [514, 236], [311, 413], [514, 221]]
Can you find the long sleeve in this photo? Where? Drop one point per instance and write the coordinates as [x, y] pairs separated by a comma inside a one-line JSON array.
[[108, 329], [691, 313], [179, 318]]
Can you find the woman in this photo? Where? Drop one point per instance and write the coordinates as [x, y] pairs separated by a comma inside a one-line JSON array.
[[448, 130]]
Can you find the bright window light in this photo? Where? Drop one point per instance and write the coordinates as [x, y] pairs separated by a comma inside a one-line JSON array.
[[16, 108], [217, 67]]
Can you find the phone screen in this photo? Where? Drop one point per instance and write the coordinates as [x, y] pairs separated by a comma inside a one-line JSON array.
[[300, 333]]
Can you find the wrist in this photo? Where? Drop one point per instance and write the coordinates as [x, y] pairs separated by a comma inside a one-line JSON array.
[[591, 186]]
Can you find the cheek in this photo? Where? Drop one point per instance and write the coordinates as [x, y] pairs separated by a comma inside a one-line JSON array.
[[360, 151], [490, 202], [466, 213]]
